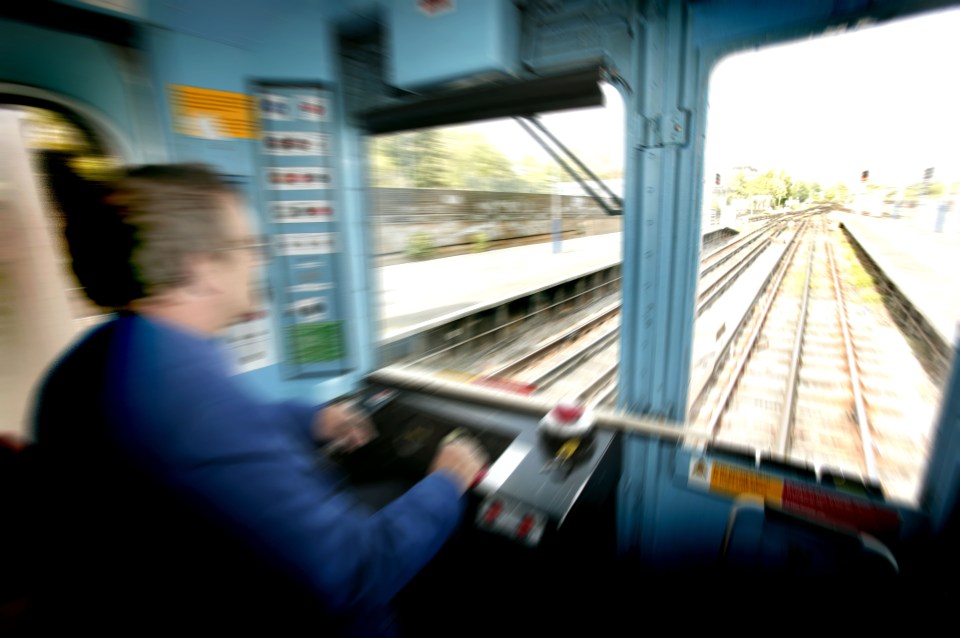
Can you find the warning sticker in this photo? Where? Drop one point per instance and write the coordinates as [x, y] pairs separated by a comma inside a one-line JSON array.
[[700, 470], [839, 510], [736, 481], [212, 114], [809, 501]]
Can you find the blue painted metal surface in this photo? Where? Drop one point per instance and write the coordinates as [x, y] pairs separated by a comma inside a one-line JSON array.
[[297, 45], [941, 491], [75, 67], [453, 41], [662, 224]]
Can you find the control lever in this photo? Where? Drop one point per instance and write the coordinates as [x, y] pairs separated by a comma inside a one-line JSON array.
[[460, 433]]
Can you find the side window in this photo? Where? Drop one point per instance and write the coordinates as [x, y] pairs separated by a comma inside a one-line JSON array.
[[495, 266]]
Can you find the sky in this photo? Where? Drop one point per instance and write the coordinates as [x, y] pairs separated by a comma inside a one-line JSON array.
[[594, 134], [882, 98]]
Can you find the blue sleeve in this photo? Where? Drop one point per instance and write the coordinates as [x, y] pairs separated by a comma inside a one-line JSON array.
[[201, 434], [352, 559], [301, 416]]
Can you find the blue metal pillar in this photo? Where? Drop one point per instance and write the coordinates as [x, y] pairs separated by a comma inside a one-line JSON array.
[[662, 236], [941, 488]]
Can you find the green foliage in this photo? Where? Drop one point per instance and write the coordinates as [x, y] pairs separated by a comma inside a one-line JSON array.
[[837, 193], [456, 158], [431, 168], [420, 245], [478, 242], [857, 277], [922, 190], [416, 159], [777, 184], [478, 165]]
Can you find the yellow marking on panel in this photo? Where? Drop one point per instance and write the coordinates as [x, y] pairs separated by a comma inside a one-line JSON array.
[[211, 114], [735, 481]]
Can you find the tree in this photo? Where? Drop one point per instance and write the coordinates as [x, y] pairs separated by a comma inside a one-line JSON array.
[[431, 167], [776, 185], [460, 159], [476, 164], [921, 190], [538, 175], [740, 186], [417, 159], [838, 192]]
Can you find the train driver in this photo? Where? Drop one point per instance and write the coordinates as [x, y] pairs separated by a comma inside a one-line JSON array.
[[173, 498]]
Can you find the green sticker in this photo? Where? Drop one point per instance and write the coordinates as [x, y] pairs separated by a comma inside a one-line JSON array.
[[316, 342]]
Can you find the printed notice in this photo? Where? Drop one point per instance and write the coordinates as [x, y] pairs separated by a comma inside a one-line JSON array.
[[301, 212], [275, 107], [305, 244], [212, 114], [309, 310], [299, 178], [249, 342], [312, 108], [295, 143]]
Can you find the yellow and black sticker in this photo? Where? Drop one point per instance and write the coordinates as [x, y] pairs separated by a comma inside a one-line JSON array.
[[212, 114]]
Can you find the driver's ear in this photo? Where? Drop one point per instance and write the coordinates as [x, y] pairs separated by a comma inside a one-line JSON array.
[[201, 276]]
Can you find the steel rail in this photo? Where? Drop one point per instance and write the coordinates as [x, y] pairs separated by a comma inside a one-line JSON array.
[[742, 361], [863, 423], [793, 377]]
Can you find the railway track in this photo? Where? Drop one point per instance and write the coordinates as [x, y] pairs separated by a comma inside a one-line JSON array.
[[811, 378], [580, 361], [789, 391], [807, 376], [718, 270]]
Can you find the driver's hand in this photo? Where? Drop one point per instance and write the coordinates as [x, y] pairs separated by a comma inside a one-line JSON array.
[[343, 426], [462, 459]]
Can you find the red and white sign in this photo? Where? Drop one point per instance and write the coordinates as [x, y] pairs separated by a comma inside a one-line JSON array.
[[312, 109], [299, 178], [435, 7], [299, 212]]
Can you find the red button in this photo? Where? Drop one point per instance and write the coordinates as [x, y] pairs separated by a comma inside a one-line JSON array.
[[526, 524], [567, 413], [479, 477], [493, 512]]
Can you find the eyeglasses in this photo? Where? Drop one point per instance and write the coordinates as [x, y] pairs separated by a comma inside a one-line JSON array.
[[257, 245]]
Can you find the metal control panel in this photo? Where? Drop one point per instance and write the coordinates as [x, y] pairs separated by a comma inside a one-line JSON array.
[[524, 497]]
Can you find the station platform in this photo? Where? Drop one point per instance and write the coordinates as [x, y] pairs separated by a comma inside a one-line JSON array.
[[922, 263], [420, 294]]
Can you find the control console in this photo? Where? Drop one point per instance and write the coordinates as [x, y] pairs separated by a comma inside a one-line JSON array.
[[525, 497]]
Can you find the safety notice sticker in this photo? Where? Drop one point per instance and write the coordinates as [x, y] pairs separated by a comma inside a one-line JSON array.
[[802, 499], [212, 114]]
